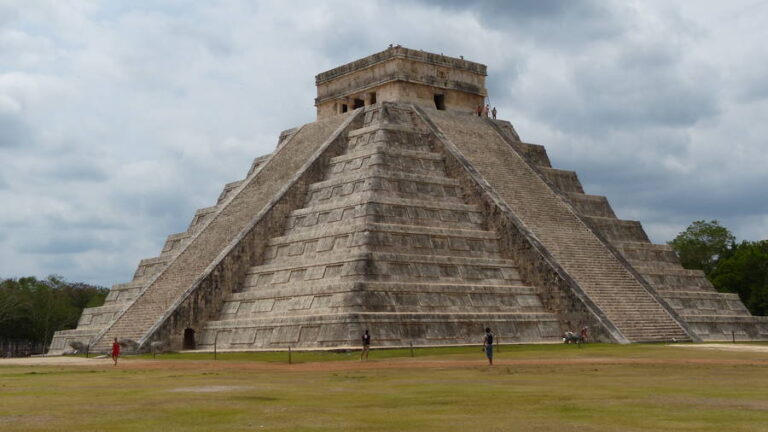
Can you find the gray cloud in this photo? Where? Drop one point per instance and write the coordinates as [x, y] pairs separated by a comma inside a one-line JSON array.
[[63, 243], [14, 132], [117, 121], [561, 24], [74, 171]]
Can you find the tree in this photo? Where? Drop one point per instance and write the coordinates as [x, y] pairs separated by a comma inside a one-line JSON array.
[[702, 244], [744, 270], [33, 309]]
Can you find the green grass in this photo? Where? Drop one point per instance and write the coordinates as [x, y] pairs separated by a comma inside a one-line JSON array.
[[647, 388]]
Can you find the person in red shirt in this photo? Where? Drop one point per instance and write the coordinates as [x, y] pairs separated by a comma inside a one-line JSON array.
[[115, 351]]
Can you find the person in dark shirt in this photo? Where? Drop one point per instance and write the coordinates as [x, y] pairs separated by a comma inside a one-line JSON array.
[[115, 351], [488, 345], [366, 345]]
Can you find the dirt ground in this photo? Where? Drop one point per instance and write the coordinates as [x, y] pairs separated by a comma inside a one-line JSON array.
[[141, 364], [726, 347]]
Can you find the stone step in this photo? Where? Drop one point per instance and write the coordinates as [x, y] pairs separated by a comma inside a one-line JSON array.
[[566, 181], [618, 229], [383, 266], [124, 292], [647, 253], [591, 205], [375, 237], [202, 216], [386, 150], [175, 242], [260, 161], [354, 298], [536, 153], [379, 177], [355, 227], [361, 284], [393, 136], [386, 158], [421, 189], [387, 329], [387, 208], [149, 267], [229, 188]]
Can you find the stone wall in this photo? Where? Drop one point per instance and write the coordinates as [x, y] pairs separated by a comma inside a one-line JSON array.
[[402, 75]]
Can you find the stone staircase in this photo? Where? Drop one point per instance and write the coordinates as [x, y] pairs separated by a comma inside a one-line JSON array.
[[386, 242], [709, 314], [159, 282], [121, 295], [631, 305], [386, 237]]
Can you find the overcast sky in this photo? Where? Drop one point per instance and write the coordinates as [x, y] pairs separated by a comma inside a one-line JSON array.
[[119, 119]]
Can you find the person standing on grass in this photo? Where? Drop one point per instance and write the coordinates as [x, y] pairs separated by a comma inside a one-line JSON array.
[[488, 345], [366, 345], [115, 351]]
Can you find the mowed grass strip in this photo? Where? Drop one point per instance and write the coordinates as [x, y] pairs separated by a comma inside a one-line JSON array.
[[648, 387]]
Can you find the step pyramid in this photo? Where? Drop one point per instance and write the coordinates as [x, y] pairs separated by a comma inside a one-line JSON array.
[[401, 211]]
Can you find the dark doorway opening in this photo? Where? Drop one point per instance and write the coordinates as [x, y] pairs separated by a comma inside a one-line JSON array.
[[344, 108], [189, 339], [373, 97], [440, 101], [358, 103]]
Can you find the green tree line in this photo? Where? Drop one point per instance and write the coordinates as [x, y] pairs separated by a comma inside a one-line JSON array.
[[740, 268], [33, 309]]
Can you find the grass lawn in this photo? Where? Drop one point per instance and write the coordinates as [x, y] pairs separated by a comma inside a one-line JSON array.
[[532, 387]]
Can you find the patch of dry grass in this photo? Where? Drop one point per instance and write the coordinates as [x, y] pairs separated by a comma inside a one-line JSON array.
[[646, 388]]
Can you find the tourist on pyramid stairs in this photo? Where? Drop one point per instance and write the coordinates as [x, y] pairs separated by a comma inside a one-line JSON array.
[[488, 345], [115, 351], [493, 113], [366, 345]]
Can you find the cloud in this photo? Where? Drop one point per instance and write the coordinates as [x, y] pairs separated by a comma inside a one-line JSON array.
[[118, 120], [14, 131], [69, 243], [559, 23]]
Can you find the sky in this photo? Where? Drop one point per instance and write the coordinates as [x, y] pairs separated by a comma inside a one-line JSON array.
[[119, 118]]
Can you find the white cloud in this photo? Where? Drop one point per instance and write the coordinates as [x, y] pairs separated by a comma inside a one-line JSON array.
[[119, 119]]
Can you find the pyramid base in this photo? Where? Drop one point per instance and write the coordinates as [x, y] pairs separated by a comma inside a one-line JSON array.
[[386, 329]]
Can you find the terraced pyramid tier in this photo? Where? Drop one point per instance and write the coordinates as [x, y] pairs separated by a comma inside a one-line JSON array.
[[385, 242], [423, 226]]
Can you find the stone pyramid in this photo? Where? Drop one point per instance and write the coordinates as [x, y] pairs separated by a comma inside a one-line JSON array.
[[401, 211]]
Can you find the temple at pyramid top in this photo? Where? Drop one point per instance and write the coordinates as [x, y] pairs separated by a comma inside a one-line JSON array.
[[399, 74]]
